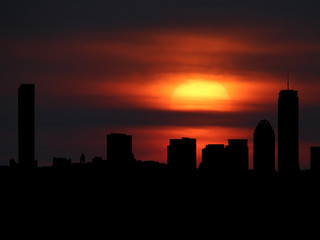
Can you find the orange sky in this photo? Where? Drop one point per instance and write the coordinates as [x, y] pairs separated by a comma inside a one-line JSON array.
[[119, 76]]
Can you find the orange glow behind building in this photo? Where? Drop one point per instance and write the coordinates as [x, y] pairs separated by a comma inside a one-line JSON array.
[[160, 70]]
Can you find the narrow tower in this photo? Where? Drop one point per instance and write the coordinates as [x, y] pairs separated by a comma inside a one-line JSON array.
[[26, 126], [288, 132]]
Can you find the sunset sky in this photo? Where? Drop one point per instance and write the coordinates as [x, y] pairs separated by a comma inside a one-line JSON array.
[[156, 70]]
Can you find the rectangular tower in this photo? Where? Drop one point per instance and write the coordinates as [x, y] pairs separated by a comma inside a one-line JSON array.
[[237, 156], [264, 148], [119, 148], [26, 125], [213, 158], [182, 155], [288, 132]]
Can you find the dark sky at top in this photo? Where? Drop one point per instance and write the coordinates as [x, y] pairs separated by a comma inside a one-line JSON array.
[[28, 18]]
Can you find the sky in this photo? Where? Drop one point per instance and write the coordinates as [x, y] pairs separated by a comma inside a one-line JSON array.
[[156, 70]]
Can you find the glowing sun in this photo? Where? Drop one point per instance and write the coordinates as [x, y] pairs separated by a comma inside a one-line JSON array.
[[200, 95]]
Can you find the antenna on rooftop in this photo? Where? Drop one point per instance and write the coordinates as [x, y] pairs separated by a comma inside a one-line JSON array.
[[288, 86]]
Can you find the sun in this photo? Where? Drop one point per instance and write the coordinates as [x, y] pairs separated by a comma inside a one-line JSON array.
[[200, 95]]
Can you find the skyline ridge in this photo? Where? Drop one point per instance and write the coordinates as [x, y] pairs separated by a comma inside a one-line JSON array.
[[116, 150]]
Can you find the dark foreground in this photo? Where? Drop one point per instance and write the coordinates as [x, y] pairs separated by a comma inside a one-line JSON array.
[[157, 203], [141, 183]]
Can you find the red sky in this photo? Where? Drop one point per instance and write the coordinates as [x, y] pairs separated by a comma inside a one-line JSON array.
[[97, 76]]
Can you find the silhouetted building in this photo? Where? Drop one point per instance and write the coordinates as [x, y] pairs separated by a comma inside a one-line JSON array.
[[213, 159], [82, 159], [12, 162], [288, 132], [264, 148], [237, 156], [26, 126], [97, 160], [315, 159], [182, 155], [119, 148], [99, 163], [61, 163]]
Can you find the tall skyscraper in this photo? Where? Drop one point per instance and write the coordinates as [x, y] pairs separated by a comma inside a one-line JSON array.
[[26, 125], [119, 148], [237, 156], [264, 148], [182, 155], [288, 132]]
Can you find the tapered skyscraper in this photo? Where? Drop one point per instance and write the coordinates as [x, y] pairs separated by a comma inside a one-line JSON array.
[[288, 132], [26, 125]]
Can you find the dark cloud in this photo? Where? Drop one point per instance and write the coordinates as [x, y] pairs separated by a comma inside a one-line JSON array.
[[145, 55], [69, 118], [50, 17]]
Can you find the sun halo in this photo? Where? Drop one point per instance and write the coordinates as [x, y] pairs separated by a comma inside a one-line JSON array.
[[200, 95]]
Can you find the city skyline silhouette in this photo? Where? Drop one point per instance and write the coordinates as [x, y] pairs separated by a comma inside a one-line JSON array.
[[151, 118], [218, 160], [208, 70]]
